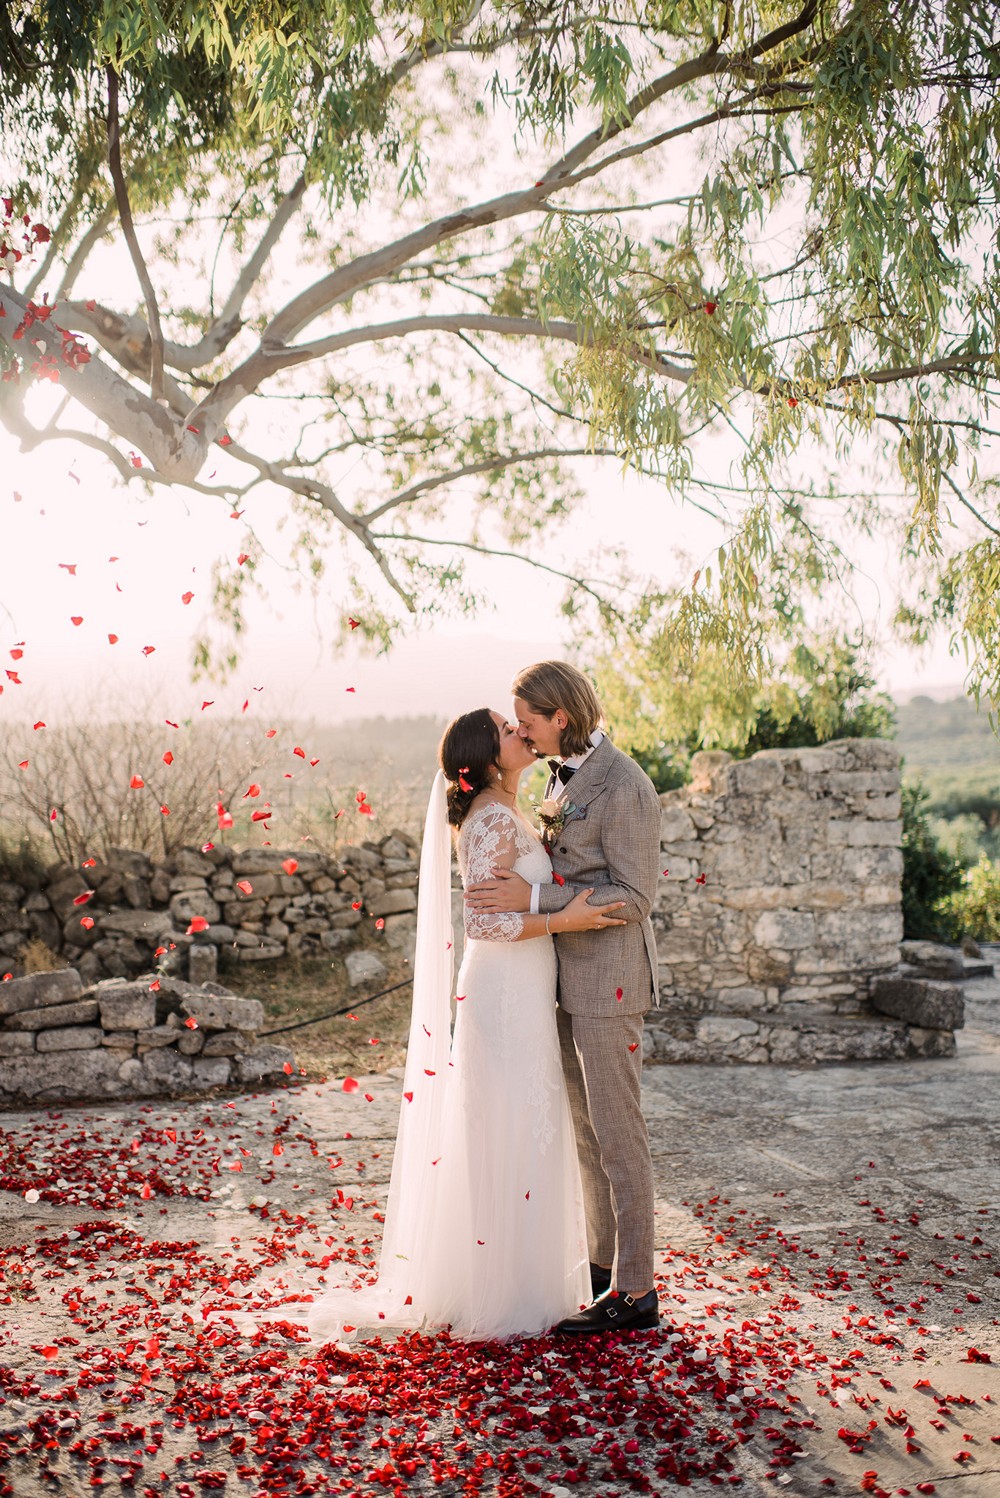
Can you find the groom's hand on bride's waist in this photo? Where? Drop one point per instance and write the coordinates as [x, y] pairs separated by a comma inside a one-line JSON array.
[[504, 891]]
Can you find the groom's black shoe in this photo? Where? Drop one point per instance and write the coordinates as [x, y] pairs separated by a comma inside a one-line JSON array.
[[600, 1280], [613, 1313]]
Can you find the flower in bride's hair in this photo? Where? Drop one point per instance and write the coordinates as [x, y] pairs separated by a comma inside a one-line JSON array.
[[463, 783]]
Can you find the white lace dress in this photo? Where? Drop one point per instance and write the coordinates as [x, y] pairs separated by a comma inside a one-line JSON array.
[[511, 1250], [494, 1232]]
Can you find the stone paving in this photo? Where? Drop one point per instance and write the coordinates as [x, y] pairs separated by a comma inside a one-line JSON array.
[[836, 1227]]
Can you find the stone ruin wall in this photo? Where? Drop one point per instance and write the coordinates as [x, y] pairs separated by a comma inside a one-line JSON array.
[[139, 1010], [778, 921], [779, 917], [259, 905]]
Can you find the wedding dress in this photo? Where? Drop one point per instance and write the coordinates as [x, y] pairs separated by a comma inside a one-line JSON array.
[[485, 1230]]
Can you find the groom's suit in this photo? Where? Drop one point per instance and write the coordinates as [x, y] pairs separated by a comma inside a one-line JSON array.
[[610, 841]]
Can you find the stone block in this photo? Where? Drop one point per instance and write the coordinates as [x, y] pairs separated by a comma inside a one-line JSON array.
[[930, 1043], [743, 1000], [708, 768], [400, 934], [261, 861], [240, 912], [861, 833], [39, 990], [263, 1061], [332, 941], [119, 1040], [365, 967], [83, 1012], [227, 1043], [393, 902], [189, 861], [203, 963], [345, 919], [16, 1043], [932, 959], [760, 775], [64, 890], [922, 1002], [818, 761], [785, 929], [126, 1006], [868, 754], [127, 861], [224, 1012], [167, 1069], [186, 905], [75, 1038], [263, 952], [155, 1037], [190, 1042], [213, 1071], [675, 824], [722, 1029], [132, 1076], [262, 887], [393, 847], [59, 1075]]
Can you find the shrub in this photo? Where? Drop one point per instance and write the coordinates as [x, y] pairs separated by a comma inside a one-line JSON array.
[[974, 908], [930, 874]]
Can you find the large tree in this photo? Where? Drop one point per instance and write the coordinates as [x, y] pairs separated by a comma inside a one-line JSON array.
[[387, 254]]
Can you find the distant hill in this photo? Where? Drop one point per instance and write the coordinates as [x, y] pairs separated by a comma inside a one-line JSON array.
[[949, 746]]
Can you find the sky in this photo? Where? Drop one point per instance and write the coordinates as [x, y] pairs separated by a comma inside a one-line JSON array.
[[76, 545]]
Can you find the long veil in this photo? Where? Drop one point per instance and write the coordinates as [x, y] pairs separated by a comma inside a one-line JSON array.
[[395, 1299]]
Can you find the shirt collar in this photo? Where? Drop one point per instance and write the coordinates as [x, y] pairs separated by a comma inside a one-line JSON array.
[[576, 760]]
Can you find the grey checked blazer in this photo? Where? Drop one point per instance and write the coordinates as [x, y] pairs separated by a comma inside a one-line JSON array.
[[610, 841]]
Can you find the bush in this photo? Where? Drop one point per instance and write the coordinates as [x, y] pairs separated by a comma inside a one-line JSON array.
[[930, 874], [22, 861], [974, 908]]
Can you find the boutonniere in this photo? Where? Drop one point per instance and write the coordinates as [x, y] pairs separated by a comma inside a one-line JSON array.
[[555, 814]]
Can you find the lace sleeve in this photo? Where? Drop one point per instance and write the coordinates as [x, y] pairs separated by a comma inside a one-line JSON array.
[[492, 838]]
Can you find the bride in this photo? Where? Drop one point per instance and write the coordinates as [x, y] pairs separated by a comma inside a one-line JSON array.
[[484, 1229]]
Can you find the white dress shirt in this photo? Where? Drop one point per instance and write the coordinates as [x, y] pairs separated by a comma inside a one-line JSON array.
[[559, 790]]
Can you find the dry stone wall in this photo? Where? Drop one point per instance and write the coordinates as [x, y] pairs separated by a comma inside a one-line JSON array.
[[778, 921], [779, 915], [156, 1036], [123, 916]]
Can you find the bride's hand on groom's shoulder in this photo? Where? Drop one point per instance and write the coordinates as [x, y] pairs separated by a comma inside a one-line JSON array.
[[503, 891]]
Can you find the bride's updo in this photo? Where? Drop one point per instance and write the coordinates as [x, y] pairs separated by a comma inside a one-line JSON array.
[[469, 755]]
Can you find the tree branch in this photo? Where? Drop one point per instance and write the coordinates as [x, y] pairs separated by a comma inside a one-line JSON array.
[[477, 322], [708, 64], [128, 229], [269, 360], [225, 327], [968, 503], [488, 465], [513, 556], [166, 439], [324, 495]]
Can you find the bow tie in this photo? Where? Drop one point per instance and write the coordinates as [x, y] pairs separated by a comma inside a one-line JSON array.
[[562, 773]]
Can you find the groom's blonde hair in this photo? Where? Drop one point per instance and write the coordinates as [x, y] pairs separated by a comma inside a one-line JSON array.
[[551, 685]]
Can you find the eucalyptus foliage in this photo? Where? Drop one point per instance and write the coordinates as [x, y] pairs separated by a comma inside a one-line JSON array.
[[483, 244]]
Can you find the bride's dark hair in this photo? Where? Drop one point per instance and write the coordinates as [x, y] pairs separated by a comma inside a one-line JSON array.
[[469, 755]]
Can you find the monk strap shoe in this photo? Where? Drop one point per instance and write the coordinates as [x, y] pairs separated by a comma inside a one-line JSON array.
[[613, 1312]]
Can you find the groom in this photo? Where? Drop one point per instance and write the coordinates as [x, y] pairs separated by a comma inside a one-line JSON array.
[[603, 832]]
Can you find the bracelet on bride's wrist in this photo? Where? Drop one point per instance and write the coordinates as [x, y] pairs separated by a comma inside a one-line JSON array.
[[548, 928]]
